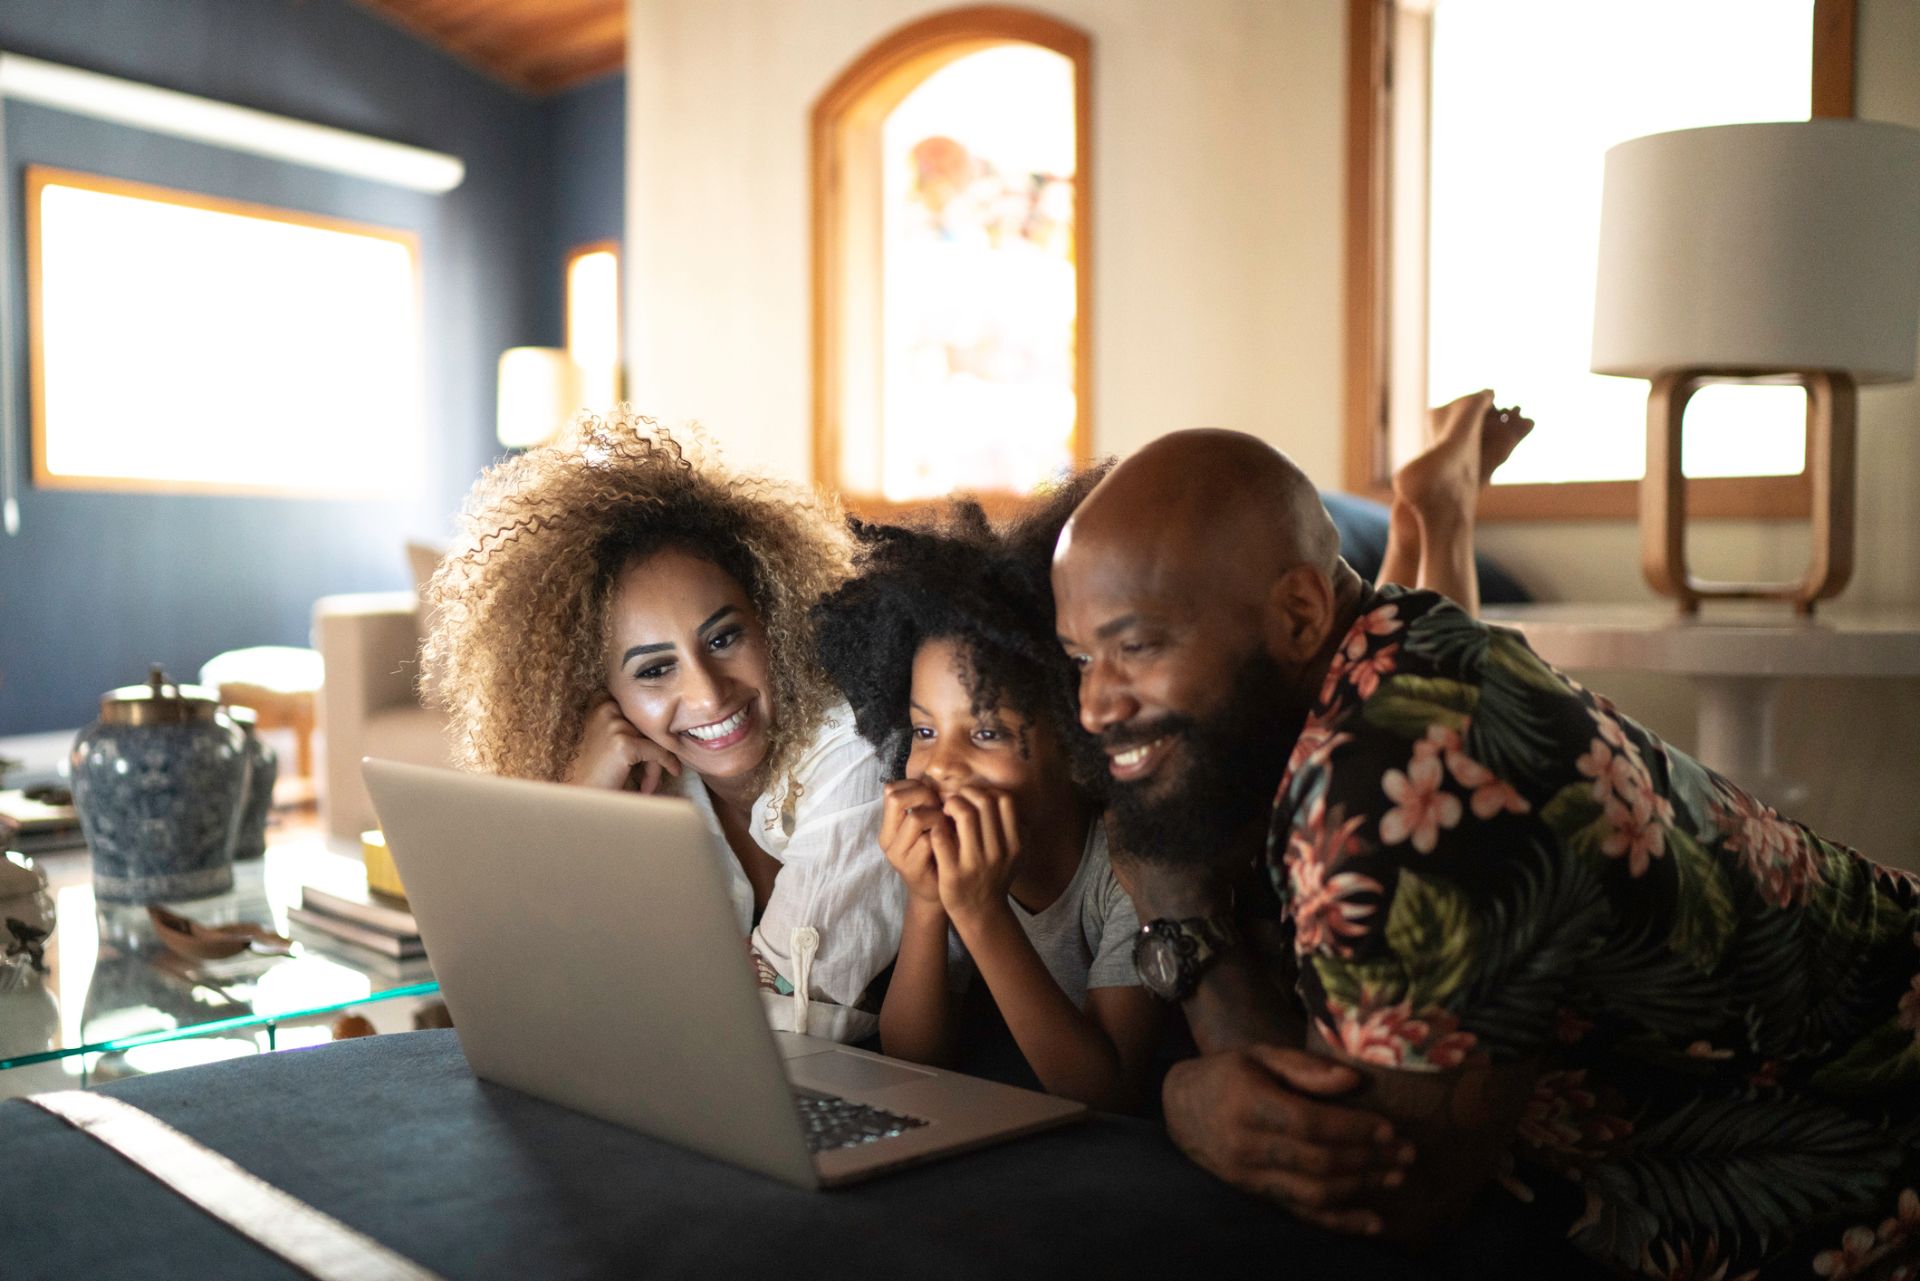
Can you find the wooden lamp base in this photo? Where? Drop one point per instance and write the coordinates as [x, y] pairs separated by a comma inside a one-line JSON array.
[[1831, 462]]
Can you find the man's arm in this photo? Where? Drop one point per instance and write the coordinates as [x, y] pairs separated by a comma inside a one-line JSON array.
[[1461, 1120], [1256, 1109], [1259, 1118], [1239, 1001], [1238, 1004]]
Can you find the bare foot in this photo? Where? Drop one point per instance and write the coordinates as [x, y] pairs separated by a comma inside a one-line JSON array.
[[1467, 440], [1444, 480], [1436, 496], [1500, 433]]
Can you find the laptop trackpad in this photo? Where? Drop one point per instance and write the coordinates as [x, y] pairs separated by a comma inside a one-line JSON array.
[[842, 1073]]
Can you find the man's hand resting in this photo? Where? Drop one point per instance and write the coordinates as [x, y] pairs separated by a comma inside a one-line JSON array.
[[1260, 1118]]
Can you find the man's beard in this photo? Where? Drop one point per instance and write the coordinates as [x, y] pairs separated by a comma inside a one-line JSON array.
[[1232, 765]]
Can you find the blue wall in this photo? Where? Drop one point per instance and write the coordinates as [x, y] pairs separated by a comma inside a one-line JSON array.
[[587, 145], [97, 585]]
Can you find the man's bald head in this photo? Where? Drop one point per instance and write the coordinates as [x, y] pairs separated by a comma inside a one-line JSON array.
[[1222, 501]]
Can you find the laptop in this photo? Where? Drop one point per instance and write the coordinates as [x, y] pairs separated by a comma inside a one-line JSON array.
[[587, 948]]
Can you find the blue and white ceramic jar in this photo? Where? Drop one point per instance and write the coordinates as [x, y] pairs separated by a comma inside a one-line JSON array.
[[159, 783], [263, 769]]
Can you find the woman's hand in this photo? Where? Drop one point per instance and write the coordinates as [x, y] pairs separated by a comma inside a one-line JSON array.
[[976, 853], [911, 809], [614, 755]]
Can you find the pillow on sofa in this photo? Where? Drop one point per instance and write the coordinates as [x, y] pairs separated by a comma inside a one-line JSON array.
[[1363, 543], [422, 560]]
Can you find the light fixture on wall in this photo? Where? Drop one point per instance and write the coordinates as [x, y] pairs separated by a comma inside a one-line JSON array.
[[1785, 252], [540, 389], [186, 115]]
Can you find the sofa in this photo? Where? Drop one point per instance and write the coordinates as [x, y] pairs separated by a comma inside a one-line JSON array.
[[370, 701]]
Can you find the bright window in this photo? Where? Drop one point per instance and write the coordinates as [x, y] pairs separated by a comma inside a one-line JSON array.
[[593, 323], [1502, 113], [978, 272], [949, 170], [1515, 210], [186, 343]]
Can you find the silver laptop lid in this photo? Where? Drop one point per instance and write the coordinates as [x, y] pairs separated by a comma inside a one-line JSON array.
[[587, 949]]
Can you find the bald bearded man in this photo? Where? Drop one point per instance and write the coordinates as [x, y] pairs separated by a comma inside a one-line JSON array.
[[1440, 918]]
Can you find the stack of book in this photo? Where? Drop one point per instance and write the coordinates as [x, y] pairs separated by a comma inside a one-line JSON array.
[[32, 823], [362, 922]]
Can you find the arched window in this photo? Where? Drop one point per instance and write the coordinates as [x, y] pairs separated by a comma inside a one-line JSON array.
[[950, 259]]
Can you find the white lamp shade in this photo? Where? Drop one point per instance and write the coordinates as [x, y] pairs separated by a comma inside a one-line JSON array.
[[1761, 247], [539, 391]]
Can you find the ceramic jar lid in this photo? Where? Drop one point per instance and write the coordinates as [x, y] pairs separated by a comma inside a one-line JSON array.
[[158, 702]]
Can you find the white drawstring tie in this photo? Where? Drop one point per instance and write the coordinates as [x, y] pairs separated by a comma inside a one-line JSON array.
[[804, 942]]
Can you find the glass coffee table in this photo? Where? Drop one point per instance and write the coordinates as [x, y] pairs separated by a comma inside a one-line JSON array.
[[114, 1002]]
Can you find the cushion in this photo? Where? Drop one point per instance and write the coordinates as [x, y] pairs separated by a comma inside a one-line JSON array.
[[1363, 542], [407, 733], [422, 560]]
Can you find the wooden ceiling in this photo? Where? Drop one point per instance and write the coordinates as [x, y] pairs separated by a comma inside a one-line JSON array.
[[540, 46]]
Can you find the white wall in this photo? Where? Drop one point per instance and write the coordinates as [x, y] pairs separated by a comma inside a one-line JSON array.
[[1217, 188], [1217, 141]]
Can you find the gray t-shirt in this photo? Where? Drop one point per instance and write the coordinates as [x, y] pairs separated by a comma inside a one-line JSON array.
[[1084, 937]]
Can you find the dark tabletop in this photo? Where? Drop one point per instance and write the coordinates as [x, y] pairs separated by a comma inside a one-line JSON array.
[[395, 1137]]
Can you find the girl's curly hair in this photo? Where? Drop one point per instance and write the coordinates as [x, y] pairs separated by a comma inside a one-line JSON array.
[[956, 577], [519, 628]]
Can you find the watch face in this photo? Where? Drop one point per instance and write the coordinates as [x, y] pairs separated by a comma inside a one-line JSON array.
[[1164, 959], [1159, 965]]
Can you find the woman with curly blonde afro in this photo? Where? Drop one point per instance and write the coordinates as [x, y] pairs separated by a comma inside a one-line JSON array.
[[622, 612]]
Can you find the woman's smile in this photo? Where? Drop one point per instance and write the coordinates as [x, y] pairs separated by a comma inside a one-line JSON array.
[[719, 735]]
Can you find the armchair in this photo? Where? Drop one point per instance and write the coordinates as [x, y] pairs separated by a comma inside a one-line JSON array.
[[370, 701]]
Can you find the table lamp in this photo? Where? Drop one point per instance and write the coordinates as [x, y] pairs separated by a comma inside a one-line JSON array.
[[1782, 252]]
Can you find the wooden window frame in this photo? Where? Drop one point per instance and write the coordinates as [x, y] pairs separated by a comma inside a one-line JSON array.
[[871, 86], [38, 178], [1367, 245]]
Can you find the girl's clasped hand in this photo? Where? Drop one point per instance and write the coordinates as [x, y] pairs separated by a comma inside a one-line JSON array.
[[961, 851]]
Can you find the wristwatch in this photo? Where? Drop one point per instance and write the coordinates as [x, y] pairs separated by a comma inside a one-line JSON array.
[[1171, 955]]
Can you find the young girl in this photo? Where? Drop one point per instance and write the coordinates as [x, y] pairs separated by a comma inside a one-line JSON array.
[[944, 646]]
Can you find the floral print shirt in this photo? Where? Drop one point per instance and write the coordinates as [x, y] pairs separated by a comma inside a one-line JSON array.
[[1480, 860]]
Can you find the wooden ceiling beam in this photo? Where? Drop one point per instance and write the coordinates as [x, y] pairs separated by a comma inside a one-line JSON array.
[[529, 20], [537, 46], [589, 38], [438, 13], [579, 72]]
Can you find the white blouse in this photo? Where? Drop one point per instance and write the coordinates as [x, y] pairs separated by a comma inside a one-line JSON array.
[[833, 920]]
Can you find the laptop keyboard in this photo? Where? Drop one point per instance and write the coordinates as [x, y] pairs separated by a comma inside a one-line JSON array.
[[833, 1122]]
